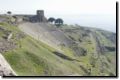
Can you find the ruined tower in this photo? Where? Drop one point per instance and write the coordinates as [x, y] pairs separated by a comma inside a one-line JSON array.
[[40, 16]]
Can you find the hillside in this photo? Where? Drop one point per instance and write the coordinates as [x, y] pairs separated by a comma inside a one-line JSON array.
[[41, 49]]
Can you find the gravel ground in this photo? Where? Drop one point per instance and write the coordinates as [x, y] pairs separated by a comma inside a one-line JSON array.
[[46, 33]]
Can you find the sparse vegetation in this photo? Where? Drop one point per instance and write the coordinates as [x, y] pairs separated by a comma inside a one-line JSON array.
[[51, 19], [58, 22], [9, 12], [80, 51]]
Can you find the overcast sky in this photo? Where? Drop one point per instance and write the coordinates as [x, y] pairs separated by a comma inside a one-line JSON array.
[[88, 12]]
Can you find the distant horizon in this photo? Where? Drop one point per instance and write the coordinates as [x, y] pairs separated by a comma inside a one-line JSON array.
[[82, 12], [87, 20]]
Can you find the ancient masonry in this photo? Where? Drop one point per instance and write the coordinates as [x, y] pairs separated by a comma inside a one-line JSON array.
[[39, 17]]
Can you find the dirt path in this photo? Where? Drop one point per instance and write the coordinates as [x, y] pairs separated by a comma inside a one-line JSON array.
[[5, 69]]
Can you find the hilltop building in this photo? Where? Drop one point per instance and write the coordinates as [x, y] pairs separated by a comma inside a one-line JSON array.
[[39, 17]]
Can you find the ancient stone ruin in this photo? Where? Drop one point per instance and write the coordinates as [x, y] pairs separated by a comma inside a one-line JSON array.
[[39, 17]]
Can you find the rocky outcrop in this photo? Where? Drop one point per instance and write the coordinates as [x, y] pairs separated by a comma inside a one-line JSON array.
[[6, 45]]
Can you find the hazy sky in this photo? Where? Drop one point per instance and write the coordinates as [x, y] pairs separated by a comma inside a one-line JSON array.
[[84, 12]]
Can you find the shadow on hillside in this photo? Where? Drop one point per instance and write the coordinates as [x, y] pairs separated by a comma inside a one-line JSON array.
[[64, 56]]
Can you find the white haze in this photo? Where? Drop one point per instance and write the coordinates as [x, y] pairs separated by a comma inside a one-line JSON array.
[[93, 13]]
